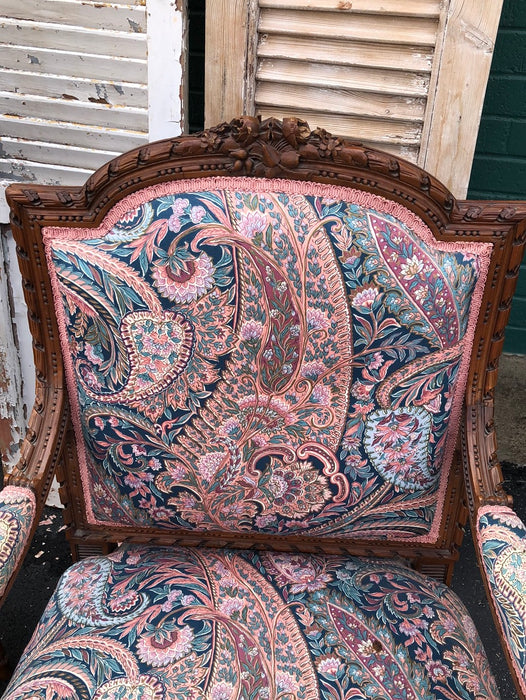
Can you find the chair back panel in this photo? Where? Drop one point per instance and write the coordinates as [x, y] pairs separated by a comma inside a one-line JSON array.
[[265, 356]]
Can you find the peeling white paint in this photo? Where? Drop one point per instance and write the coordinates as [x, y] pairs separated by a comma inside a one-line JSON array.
[[4, 209], [104, 77], [17, 394], [74, 77], [76, 89]]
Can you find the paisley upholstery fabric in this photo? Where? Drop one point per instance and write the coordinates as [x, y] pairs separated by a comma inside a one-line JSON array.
[[17, 511], [180, 624], [277, 357], [502, 542]]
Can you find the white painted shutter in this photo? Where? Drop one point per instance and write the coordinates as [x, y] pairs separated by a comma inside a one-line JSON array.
[[407, 76], [82, 81], [73, 86]]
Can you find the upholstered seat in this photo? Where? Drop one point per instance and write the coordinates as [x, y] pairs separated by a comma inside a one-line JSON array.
[[154, 622], [269, 341]]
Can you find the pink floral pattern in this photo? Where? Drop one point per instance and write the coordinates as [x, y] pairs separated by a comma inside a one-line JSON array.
[[397, 442], [224, 626], [501, 537], [188, 281], [17, 512], [250, 358]]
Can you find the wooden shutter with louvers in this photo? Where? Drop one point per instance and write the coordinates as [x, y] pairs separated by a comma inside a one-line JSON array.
[[73, 86], [407, 76]]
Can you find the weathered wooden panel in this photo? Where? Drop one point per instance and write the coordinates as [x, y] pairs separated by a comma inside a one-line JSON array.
[[70, 134], [406, 57], [115, 69], [73, 86], [231, 33], [44, 34], [389, 81], [167, 37], [418, 8], [13, 413], [460, 75], [91, 15], [359, 69], [334, 63]]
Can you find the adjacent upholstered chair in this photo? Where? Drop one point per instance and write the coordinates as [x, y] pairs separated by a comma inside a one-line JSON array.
[[265, 369]]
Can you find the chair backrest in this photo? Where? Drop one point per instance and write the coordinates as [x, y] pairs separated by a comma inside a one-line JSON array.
[[266, 337]]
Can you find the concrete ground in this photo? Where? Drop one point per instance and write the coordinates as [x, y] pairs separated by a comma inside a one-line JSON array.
[[510, 409]]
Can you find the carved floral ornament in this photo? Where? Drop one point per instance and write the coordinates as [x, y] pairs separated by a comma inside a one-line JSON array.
[[251, 146]]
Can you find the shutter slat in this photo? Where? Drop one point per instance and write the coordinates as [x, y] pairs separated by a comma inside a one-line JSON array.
[[29, 171], [99, 41], [393, 82], [344, 102], [92, 15], [72, 135], [345, 53], [418, 8], [361, 129], [74, 64], [74, 111], [83, 90], [419, 31], [54, 154]]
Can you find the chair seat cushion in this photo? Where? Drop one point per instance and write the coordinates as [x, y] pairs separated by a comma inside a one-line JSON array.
[[154, 623]]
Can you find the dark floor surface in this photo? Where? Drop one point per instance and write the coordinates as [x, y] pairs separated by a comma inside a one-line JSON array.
[[49, 556]]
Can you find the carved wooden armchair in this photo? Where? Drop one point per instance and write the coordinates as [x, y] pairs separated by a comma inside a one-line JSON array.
[[265, 370]]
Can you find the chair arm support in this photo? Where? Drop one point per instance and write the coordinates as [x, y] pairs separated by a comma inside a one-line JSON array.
[[501, 542], [17, 515], [482, 469], [28, 483]]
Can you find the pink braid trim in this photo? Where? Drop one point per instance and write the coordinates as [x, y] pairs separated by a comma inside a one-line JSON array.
[[494, 510], [13, 494], [261, 185]]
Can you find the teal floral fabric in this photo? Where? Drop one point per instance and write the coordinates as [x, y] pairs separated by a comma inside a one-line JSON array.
[[256, 356], [181, 624], [17, 512], [502, 542]]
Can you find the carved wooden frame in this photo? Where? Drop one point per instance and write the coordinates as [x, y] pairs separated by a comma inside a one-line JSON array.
[[288, 149]]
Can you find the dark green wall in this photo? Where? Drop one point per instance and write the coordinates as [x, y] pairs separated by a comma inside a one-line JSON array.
[[499, 166]]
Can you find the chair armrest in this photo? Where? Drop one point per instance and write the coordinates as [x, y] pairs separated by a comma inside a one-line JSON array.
[[501, 542], [28, 483], [17, 515]]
